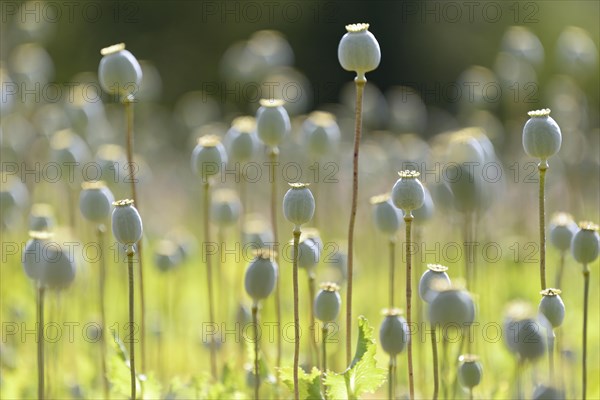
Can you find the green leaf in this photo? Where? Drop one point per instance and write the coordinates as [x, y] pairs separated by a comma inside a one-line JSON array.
[[309, 385], [363, 375]]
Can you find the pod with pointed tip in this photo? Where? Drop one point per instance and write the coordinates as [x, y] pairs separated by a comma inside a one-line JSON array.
[[541, 135], [408, 193], [126, 222], [394, 334]]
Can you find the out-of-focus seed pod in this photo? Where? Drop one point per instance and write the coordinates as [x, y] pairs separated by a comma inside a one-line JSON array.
[[261, 275], [33, 258], [452, 307], [562, 230], [525, 334], [322, 133], [393, 333], [272, 122], [586, 243], [308, 253], [95, 201], [257, 233], [208, 157], [552, 306], [470, 371], [387, 218], [59, 267], [425, 212], [241, 141], [328, 302], [225, 208], [126, 222], [166, 255], [432, 281], [41, 217]]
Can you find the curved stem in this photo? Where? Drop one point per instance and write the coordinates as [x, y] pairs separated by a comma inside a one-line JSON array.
[[408, 221], [360, 86], [296, 316], [209, 283], [392, 270], [436, 384], [543, 166], [256, 347], [274, 155], [101, 283], [586, 294], [40, 341], [130, 253]]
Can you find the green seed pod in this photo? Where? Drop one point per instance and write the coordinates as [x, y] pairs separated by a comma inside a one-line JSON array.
[[261, 275], [387, 218], [541, 135], [393, 333], [470, 371], [562, 230], [358, 50], [241, 141], [552, 307], [408, 193], [328, 302], [585, 244], [322, 133], [41, 217], [166, 255], [119, 71], [272, 122], [298, 204], [95, 201], [59, 268], [432, 281], [426, 211], [208, 156], [33, 258], [547, 393], [452, 307], [126, 222], [225, 208]]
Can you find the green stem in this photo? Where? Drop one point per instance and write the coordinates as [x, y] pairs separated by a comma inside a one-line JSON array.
[[296, 316], [436, 383], [324, 360], [40, 341], [101, 282], [391, 380], [561, 269], [586, 294], [209, 283], [551, 338], [408, 218], [274, 156], [542, 166], [130, 253], [392, 270], [313, 342], [360, 86], [444, 367], [256, 347]]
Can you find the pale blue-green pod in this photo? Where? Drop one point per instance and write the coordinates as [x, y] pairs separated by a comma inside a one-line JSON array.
[[470, 371], [119, 71], [562, 230], [452, 307], [95, 201], [541, 135], [272, 122], [434, 280], [70, 151], [408, 193], [328, 302], [261, 275], [393, 333], [386, 217], [552, 307], [526, 337], [338, 262], [585, 243], [59, 267], [208, 157], [523, 43], [112, 161], [308, 253], [33, 258], [425, 212], [257, 233], [543, 392], [225, 208], [466, 158], [298, 204], [322, 133], [241, 141], [126, 222], [166, 255], [358, 50], [41, 217], [186, 242]]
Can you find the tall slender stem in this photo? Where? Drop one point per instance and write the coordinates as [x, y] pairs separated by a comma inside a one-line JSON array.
[[586, 294], [561, 269], [40, 341], [313, 342], [408, 218], [542, 166], [256, 347], [209, 283], [101, 283], [274, 156], [436, 384], [128, 102], [551, 338], [296, 314], [360, 86], [391, 380], [130, 253], [392, 270], [324, 360], [444, 367]]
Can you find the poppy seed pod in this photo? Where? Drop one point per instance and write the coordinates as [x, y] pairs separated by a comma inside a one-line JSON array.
[[387, 218], [452, 306], [261, 275], [69, 150], [432, 281], [166, 255], [541, 135], [408, 193], [257, 233], [562, 229], [469, 371], [126, 222], [225, 208], [272, 122], [59, 268], [525, 337], [208, 156], [393, 333], [308, 253], [241, 141], [95, 201], [322, 133], [33, 258], [41, 217], [425, 212], [552, 307], [542, 392], [328, 302], [119, 71], [585, 243], [298, 204], [358, 50]]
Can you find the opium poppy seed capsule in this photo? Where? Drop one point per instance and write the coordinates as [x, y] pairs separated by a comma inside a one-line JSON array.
[[387, 218], [208, 156], [470, 371], [261, 275], [33, 258], [41, 217], [358, 50], [432, 281], [542, 392], [241, 141], [166, 255], [257, 233], [126, 222], [272, 122], [541, 135], [322, 133], [119, 71], [408, 193], [328, 302], [225, 207], [393, 333], [526, 337], [552, 306], [562, 229], [585, 243], [95, 201], [452, 307], [425, 212], [308, 252], [59, 267], [298, 204]]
